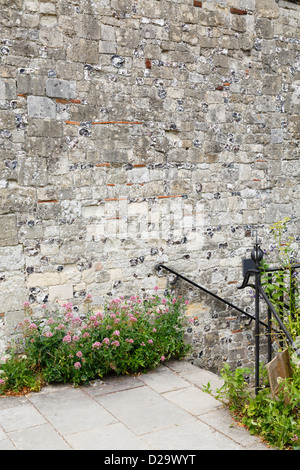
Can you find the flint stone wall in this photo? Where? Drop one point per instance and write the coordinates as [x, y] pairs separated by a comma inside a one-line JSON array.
[[135, 132]]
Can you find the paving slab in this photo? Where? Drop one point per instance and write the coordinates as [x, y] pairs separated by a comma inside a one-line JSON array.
[[115, 436], [20, 418], [190, 436], [221, 421], [71, 409], [111, 385], [164, 409], [143, 410], [163, 380], [41, 437], [6, 444], [203, 378], [193, 400]]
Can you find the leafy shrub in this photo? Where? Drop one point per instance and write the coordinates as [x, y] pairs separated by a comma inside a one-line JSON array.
[[126, 337], [18, 374], [283, 291], [276, 419]]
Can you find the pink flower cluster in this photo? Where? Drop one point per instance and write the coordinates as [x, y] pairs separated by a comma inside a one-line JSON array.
[[67, 339], [131, 324], [48, 334]]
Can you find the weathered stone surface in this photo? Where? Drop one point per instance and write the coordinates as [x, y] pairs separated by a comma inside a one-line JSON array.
[[83, 50], [51, 37], [41, 107], [12, 293], [136, 132], [59, 292], [41, 128], [8, 230], [31, 85], [11, 258], [33, 171], [61, 88], [267, 8], [7, 90]]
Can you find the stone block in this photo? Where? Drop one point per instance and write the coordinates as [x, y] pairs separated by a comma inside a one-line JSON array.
[[13, 292], [267, 8], [264, 28], [291, 168], [271, 85], [31, 232], [107, 47], [278, 212], [48, 20], [41, 107], [117, 156], [83, 50], [33, 171], [296, 93], [93, 211], [64, 292], [56, 88], [7, 90], [13, 318], [49, 210], [276, 136], [107, 33], [216, 113], [8, 230], [43, 279], [2, 92], [89, 27], [31, 85], [294, 123], [102, 276], [11, 258], [51, 37], [48, 128]]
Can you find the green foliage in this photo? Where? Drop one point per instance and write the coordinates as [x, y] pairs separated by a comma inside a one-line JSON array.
[[18, 374], [234, 390], [126, 337], [275, 419], [283, 290]]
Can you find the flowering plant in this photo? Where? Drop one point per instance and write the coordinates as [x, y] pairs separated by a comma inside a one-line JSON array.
[[283, 288], [125, 337]]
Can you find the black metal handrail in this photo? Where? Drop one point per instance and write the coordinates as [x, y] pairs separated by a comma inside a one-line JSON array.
[[281, 268], [257, 271], [278, 319], [257, 256], [162, 266], [260, 271]]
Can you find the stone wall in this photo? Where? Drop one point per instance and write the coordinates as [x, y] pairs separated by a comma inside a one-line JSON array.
[[134, 132]]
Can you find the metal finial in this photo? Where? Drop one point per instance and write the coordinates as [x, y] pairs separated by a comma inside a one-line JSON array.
[[257, 254]]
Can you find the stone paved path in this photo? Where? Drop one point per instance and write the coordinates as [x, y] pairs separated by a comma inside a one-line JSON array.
[[165, 409]]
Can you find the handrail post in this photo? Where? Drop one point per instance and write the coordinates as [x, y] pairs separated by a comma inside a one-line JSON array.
[[257, 256], [270, 281], [281, 299], [257, 342], [293, 292]]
